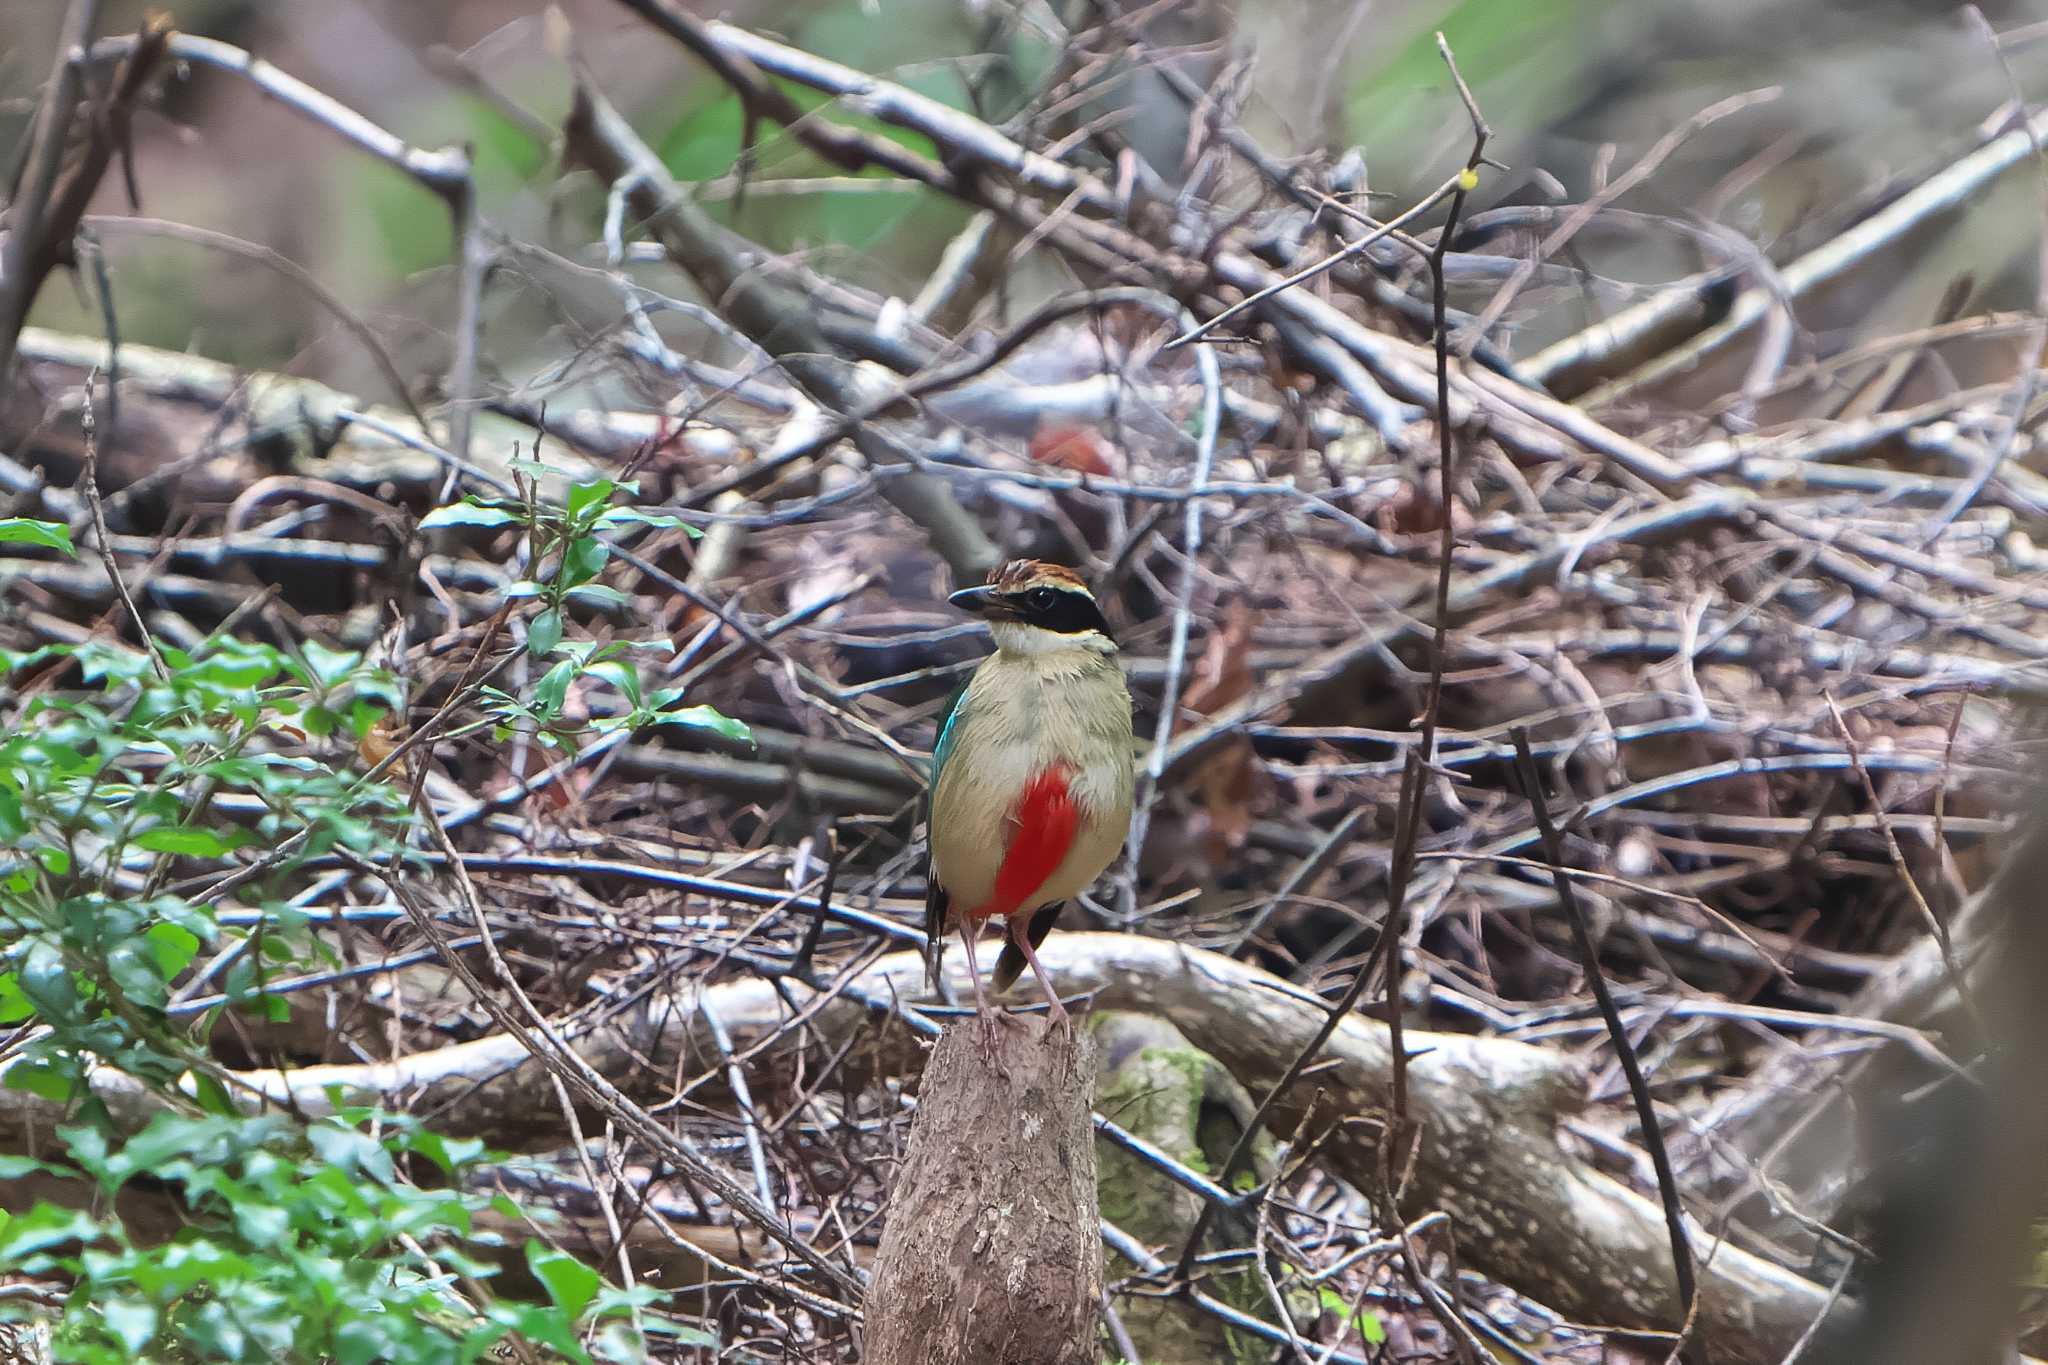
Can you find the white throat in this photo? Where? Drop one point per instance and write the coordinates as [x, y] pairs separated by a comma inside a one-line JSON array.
[[1014, 637]]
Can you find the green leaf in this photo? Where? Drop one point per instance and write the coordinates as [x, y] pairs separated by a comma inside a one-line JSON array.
[[1369, 1326], [132, 1321], [133, 967], [584, 496], [51, 535], [633, 516], [173, 945], [468, 513], [213, 1097], [330, 666], [659, 1324], [187, 842], [546, 1326], [446, 1152], [553, 689], [545, 633], [14, 1006], [570, 1283], [360, 1340], [599, 594], [46, 980], [13, 818], [40, 1078], [706, 718], [41, 1228], [584, 560], [619, 675]]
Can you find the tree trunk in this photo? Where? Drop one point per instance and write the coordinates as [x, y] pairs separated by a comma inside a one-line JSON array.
[[991, 1253]]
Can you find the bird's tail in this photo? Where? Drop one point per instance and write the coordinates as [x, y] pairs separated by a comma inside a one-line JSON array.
[[1009, 967], [1011, 964], [934, 959]]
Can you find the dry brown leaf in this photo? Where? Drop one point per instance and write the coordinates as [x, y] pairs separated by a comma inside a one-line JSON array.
[[1229, 783], [1081, 449]]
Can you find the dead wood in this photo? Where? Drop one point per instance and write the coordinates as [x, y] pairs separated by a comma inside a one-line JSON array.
[[990, 1255], [1530, 1210]]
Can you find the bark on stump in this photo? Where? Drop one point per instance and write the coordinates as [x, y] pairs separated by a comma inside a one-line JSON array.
[[991, 1254]]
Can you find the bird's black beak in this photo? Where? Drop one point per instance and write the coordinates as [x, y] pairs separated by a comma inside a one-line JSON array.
[[982, 601]]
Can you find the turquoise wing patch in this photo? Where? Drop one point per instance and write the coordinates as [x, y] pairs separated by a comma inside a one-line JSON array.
[[949, 732]]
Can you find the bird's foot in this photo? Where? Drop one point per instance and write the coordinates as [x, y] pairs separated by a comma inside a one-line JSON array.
[[988, 1025], [1059, 1023]]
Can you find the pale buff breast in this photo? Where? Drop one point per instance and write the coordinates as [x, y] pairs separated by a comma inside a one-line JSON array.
[[1021, 716]]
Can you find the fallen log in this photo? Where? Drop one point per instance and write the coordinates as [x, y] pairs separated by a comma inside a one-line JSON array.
[[1530, 1211]]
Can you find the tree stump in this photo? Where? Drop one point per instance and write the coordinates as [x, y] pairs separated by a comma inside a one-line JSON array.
[[991, 1253]]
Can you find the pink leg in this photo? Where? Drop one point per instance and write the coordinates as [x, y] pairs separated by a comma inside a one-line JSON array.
[[970, 930], [1057, 1017]]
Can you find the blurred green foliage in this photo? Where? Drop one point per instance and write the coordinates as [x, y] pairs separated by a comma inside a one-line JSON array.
[[1528, 58]]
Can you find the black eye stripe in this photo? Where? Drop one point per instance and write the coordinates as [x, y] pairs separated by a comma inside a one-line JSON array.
[[1059, 610]]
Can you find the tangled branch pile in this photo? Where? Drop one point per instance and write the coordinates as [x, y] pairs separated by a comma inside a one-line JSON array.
[[1765, 607]]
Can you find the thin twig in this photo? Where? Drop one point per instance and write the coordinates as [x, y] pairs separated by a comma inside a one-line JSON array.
[[1624, 1050], [1177, 643], [1454, 186], [1934, 922], [104, 543]]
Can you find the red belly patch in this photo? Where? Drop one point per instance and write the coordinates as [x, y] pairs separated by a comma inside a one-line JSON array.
[[1045, 820]]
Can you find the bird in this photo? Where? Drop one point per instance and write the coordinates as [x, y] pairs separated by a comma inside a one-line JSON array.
[[1032, 773]]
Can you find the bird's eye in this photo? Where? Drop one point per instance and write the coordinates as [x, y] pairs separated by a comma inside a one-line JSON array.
[[1043, 599]]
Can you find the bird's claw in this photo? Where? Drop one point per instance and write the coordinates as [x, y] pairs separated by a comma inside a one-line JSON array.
[[988, 1025], [1059, 1023]]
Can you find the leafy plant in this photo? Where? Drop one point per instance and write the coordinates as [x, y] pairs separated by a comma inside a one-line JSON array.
[[124, 775], [567, 548]]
